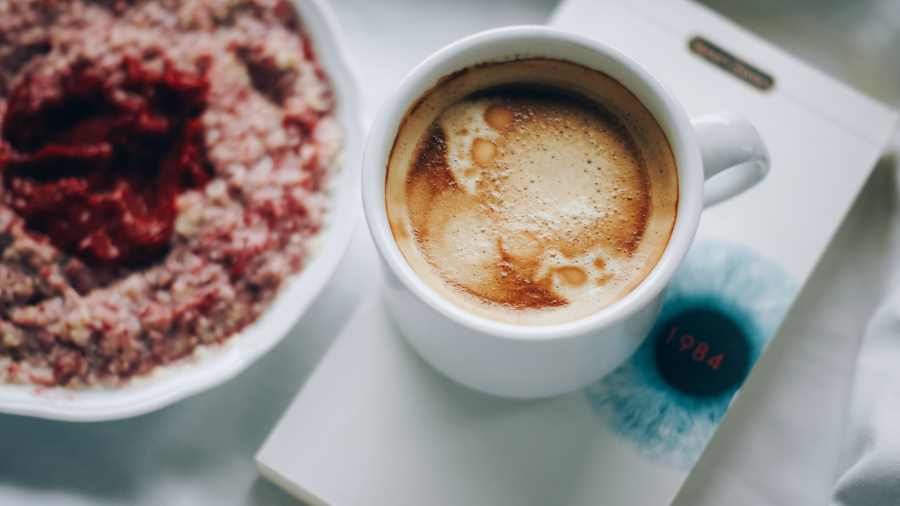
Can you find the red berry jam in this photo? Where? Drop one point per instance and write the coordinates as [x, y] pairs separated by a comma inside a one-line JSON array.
[[97, 166]]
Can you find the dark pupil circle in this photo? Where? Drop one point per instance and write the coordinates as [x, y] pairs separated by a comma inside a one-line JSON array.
[[702, 352]]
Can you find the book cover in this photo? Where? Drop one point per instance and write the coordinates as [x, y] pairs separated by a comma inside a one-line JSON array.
[[375, 425]]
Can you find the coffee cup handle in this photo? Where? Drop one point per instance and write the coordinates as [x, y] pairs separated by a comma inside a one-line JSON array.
[[734, 156]]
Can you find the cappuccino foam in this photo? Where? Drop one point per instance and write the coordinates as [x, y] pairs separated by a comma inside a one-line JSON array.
[[530, 199]]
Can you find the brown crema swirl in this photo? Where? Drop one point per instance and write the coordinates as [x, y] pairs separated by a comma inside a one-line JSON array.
[[533, 192]]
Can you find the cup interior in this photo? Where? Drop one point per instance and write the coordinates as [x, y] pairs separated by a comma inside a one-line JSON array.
[[516, 43]]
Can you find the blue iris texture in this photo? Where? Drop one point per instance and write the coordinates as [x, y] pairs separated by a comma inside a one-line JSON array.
[[721, 308]]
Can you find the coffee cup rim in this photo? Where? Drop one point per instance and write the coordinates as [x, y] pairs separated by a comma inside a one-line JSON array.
[[515, 43]]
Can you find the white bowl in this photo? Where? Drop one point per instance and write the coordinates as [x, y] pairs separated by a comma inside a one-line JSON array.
[[210, 366]]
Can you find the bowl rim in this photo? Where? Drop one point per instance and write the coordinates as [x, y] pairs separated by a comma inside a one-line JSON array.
[[211, 366]]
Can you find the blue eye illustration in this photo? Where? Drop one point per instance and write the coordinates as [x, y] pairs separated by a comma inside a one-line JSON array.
[[722, 307]]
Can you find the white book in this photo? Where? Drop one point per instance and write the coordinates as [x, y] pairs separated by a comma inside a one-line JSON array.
[[376, 426]]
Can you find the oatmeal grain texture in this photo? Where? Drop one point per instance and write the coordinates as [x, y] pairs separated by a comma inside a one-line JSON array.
[[270, 136]]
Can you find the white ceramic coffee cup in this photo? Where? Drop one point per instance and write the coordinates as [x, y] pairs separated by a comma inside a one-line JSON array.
[[535, 361]]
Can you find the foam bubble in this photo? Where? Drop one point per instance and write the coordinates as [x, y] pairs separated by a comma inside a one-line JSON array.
[[463, 124]]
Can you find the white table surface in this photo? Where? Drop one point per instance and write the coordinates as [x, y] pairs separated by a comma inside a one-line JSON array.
[[201, 451]]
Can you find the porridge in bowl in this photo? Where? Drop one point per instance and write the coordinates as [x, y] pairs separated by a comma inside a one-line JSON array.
[[163, 168]]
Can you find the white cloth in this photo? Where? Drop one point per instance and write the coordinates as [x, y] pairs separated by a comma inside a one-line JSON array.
[[872, 437], [870, 470], [781, 440]]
